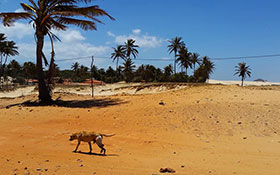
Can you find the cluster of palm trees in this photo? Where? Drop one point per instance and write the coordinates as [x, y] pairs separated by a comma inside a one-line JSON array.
[[124, 52], [7, 49], [188, 60]]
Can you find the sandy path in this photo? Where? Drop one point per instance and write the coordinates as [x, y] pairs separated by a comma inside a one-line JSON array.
[[198, 130]]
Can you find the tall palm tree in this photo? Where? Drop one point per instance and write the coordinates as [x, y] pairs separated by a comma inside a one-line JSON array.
[[119, 52], [130, 48], [243, 71], [174, 46], [195, 60], [53, 14], [184, 57]]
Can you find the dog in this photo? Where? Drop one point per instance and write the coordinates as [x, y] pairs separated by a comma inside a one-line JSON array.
[[88, 137]]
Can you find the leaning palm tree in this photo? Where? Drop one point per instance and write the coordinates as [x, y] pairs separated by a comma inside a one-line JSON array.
[[2, 46], [195, 60], [184, 58], [174, 46], [130, 48], [53, 14], [243, 71], [119, 52], [8, 48]]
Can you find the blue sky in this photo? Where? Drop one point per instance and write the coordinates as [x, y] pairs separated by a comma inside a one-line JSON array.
[[213, 28]]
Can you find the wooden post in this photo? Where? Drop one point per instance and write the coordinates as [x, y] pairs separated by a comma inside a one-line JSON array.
[[91, 77]]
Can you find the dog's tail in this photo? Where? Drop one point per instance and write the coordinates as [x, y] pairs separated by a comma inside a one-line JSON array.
[[107, 135]]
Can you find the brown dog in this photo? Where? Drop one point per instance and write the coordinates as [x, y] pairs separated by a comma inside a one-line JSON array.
[[88, 137]]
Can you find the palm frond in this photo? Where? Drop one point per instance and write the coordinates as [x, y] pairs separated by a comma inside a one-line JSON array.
[[10, 18], [84, 24], [28, 8]]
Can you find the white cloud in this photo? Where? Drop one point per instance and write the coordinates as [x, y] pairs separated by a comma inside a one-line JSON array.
[[19, 10], [70, 36], [111, 34], [136, 31], [17, 31], [144, 41]]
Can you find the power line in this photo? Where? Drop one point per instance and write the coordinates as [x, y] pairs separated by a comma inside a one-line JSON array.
[[162, 60], [246, 57], [154, 59]]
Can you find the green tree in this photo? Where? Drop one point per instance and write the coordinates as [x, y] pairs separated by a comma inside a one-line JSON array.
[[195, 60], [14, 68], [119, 52], [29, 70], [128, 68], [47, 15], [75, 67], [206, 68], [174, 46], [8, 48], [184, 58], [130, 49], [242, 70]]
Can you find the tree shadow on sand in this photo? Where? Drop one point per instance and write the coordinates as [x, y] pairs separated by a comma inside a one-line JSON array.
[[100, 103], [95, 154]]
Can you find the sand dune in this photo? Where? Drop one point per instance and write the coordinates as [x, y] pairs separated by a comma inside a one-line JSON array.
[[208, 129]]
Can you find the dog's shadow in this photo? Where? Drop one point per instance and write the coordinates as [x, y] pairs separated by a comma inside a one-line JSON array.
[[95, 154]]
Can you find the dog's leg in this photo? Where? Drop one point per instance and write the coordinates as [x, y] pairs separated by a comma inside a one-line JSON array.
[[77, 146], [100, 144], [90, 149]]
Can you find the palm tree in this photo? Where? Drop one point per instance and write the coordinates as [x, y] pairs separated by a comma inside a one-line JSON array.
[[130, 48], [184, 57], [14, 68], [2, 46], [119, 52], [47, 15], [208, 65], [128, 68], [8, 48], [174, 46], [29, 70], [205, 69], [195, 60], [243, 71], [75, 66]]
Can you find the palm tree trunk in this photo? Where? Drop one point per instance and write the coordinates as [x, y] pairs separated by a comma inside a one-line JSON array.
[[117, 64], [44, 93], [242, 79], [175, 52]]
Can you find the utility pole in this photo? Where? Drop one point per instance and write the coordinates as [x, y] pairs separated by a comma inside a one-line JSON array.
[[91, 76]]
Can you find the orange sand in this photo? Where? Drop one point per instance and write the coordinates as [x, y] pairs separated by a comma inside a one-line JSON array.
[[211, 129]]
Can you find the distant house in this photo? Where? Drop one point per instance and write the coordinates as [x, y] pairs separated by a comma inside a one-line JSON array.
[[95, 82], [67, 81], [260, 80], [31, 81]]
